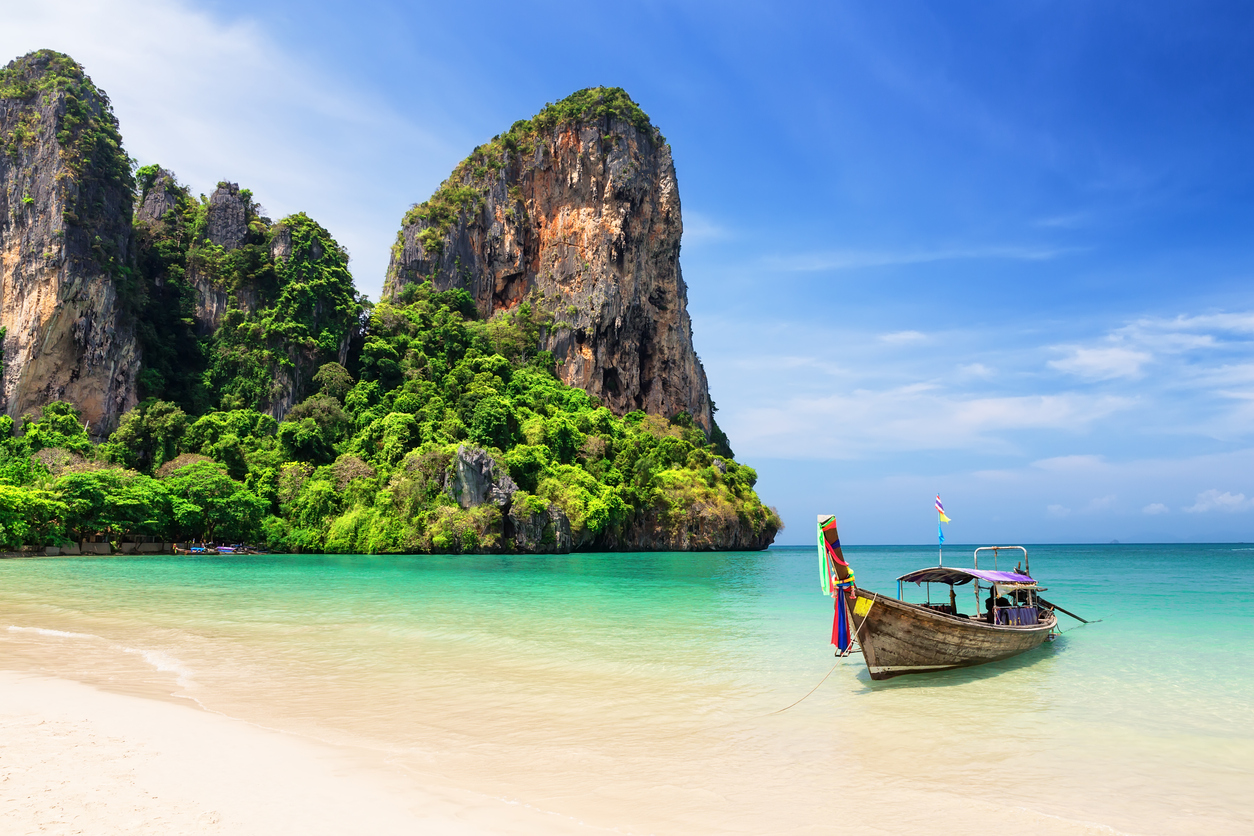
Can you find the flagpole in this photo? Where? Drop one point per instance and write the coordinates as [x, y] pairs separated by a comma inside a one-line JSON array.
[[940, 546]]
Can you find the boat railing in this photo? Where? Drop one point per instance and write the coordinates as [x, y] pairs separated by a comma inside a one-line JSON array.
[[995, 550]]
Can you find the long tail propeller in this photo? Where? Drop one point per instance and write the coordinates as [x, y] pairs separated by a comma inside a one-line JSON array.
[[1067, 612]]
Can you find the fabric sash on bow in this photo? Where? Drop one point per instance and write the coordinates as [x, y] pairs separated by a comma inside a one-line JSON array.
[[837, 580]]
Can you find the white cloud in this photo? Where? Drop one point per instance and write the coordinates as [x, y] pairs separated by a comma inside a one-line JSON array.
[[1102, 363], [920, 416], [903, 337], [1238, 322], [1069, 464], [858, 259], [700, 228], [1057, 511], [1213, 500], [976, 370], [1155, 508], [1070, 221], [1100, 503], [212, 99]]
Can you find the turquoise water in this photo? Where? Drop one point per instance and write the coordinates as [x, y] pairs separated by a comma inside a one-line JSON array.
[[637, 691]]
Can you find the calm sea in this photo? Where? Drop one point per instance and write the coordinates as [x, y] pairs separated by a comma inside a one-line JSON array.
[[635, 692]]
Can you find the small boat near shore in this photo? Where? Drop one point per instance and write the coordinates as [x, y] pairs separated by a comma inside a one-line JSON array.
[[208, 550], [897, 637]]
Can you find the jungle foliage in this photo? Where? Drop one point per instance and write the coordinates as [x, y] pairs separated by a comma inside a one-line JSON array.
[[279, 407], [52, 95], [363, 464], [286, 313]]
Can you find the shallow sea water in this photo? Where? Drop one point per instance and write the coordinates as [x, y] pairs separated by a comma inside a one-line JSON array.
[[635, 692]]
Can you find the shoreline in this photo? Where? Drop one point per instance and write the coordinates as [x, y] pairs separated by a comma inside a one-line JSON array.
[[75, 758], [206, 696]]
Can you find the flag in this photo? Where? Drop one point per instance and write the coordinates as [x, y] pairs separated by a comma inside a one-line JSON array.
[[940, 509], [940, 532]]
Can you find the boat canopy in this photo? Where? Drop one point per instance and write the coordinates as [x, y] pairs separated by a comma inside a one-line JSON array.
[[956, 576]]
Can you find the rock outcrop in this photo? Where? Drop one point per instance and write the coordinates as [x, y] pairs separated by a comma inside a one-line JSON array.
[[162, 196], [544, 530], [267, 303], [65, 229], [226, 227], [578, 208], [703, 529], [475, 479]]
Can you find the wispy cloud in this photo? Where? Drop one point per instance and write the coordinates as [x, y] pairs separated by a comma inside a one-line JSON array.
[[700, 228], [1100, 503], [1072, 220], [1213, 500], [1069, 464], [903, 337], [920, 416], [860, 394], [213, 98], [1155, 508], [976, 370], [833, 260], [1102, 363]]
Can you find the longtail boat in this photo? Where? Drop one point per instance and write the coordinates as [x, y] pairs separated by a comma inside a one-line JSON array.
[[897, 637]]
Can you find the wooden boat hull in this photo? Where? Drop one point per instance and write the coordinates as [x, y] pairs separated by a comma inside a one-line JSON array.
[[899, 638]]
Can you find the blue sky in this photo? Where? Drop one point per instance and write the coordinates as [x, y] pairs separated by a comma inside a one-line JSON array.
[[1002, 252]]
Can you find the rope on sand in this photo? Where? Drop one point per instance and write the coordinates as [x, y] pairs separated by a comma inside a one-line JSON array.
[[857, 631], [812, 690]]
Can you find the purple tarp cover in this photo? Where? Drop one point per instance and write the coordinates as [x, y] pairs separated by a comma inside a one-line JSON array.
[[956, 575]]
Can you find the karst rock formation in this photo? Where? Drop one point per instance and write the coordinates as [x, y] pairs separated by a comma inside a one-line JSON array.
[[65, 229], [579, 209], [118, 286]]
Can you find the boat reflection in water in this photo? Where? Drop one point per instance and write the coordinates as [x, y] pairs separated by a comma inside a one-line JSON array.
[[897, 637]]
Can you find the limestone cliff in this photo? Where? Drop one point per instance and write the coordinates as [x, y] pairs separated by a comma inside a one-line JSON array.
[[580, 207], [65, 226], [226, 229], [244, 309]]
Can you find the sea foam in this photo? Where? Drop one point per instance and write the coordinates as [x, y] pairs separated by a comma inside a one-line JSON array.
[[159, 660]]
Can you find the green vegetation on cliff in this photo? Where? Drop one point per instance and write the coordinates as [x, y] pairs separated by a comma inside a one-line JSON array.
[[278, 406], [368, 463], [302, 305], [56, 96]]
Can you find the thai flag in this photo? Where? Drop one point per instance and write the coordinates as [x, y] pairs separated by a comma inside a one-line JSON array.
[[940, 509]]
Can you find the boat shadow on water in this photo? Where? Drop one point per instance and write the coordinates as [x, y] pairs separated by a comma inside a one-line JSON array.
[[1044, 655]]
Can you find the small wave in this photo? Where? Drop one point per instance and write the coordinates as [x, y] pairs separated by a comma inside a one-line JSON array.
[[161, 661], [43, 631]]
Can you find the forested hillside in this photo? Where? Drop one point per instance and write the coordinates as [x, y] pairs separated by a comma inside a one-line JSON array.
[[250, 394], [443, 405]]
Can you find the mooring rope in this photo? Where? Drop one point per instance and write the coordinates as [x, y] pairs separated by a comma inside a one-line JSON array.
[[829, 673], [812, 690]]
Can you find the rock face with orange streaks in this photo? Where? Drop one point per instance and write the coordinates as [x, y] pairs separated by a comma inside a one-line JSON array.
[[578, 210], [65, 212]]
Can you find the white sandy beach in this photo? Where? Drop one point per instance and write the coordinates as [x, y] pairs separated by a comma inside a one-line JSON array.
[[78, 760], [74, 759]]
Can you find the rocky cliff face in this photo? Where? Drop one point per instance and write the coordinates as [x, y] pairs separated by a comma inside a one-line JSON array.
[[65, 225], [226, 226], [579, 207], [266, 303]]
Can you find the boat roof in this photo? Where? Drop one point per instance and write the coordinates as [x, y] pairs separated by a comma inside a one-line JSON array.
[[958, 576]]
